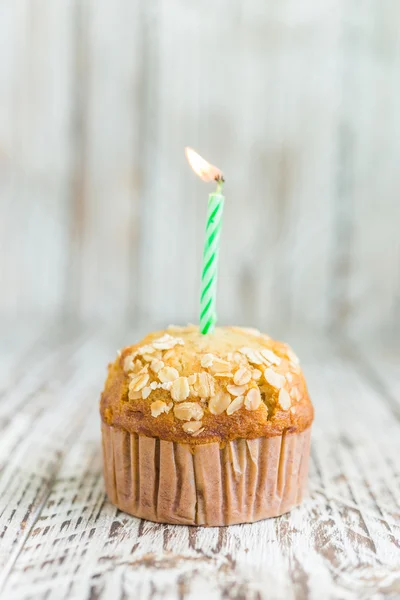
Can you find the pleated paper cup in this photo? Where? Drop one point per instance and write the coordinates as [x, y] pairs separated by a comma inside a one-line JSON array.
[[208, 485]]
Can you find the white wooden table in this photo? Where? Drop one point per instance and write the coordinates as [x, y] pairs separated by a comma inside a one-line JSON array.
[[61, 538]]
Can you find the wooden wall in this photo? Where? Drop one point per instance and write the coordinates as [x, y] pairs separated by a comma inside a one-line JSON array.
[[298, 103]]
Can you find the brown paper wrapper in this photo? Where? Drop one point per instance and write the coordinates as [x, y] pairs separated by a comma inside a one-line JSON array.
[[242, 482]]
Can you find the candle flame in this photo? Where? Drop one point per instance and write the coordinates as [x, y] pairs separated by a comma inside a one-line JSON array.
[[201, 167]]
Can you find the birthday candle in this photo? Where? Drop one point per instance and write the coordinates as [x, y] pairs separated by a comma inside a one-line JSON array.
[[209, 276], [208, 313]]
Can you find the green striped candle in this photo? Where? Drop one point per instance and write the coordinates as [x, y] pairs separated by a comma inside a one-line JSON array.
[[208, 298], [209, 275]]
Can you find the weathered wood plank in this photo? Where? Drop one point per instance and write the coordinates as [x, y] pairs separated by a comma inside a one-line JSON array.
[[343, 543], [380, 365], [19, 343], [106, 247], [32, 371], [37, 438], [35, 85], [369, 90]]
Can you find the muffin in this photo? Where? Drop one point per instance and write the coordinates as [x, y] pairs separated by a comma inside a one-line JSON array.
[[206, 429]]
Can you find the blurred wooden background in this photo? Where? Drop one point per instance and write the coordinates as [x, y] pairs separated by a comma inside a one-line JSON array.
[[297, 102]]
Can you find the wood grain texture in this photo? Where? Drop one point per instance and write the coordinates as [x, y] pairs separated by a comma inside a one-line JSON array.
[[107, 244], [61, 538], [297, 104], [35, 155], [367, 244]]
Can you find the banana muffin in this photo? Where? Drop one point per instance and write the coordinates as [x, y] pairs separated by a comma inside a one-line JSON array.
[[206, 429]]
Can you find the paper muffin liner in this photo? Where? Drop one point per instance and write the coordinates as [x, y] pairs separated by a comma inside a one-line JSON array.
[[207, 485]]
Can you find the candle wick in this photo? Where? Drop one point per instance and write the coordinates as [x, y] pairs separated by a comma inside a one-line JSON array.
[[220, 183]]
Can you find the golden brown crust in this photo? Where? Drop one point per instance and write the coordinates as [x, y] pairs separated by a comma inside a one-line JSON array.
[[274, 400]]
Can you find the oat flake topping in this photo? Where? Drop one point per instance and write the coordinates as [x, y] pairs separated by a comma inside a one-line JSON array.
[[284, 399], [222, 382]]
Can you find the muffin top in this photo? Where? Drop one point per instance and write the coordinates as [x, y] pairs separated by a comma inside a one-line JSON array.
[[182, 386]]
